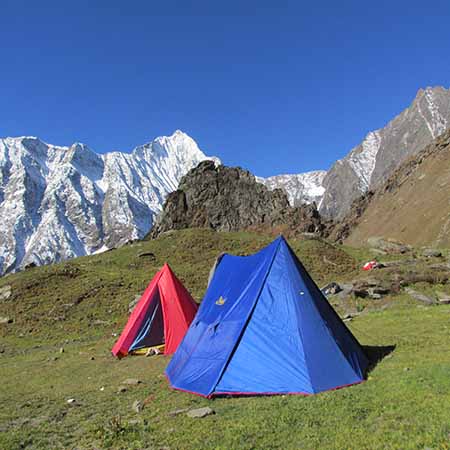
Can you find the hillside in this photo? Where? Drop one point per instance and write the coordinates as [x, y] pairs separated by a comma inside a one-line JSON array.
[[65, 319], [413, 205]]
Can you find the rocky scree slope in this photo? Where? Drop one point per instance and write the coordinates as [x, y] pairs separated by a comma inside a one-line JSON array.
[[61, 202], [412, 206], [230, 199]]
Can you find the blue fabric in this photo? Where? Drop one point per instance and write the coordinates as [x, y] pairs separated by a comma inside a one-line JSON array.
[[152, 330], [274, 332]]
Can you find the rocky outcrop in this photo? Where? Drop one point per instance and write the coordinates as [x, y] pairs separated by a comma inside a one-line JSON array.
[[229, 199]]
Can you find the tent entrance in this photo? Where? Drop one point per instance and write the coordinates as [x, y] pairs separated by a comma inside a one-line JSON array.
[[152, 331]]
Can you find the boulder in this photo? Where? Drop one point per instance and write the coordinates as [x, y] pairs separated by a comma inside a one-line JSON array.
[[431, 253], [331, 289], [419, 296], [443, 298], [370, 288], [200, 412]]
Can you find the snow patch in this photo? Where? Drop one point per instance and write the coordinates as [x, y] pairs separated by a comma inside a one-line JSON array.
[[300, 188], [363, 159]]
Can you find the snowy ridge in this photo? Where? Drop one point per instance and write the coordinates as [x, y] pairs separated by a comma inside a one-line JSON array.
[[62, 202], [438, 124], [300, 188], [363, 160]]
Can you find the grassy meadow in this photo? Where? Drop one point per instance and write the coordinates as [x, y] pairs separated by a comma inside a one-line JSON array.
[[66, 316]]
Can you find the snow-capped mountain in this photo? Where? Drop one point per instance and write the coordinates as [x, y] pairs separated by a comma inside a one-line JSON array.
[[382, 151], [61, 202], [300, 188]]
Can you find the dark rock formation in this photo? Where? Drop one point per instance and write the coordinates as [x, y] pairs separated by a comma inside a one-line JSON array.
[[229, 199]]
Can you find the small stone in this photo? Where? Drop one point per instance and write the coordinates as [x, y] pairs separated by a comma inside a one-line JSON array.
[[137, 406], [5, 320], [431, 253], [92, 358], [200, 412], [61, 350], [102, 388], [133, 303], [131, 381], [5, 292], [406, 369], [122, 389], [71, 401], [176, 412], [134, 422]]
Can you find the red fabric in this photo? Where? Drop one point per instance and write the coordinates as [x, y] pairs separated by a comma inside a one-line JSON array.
[[178, 307], [369, 265]]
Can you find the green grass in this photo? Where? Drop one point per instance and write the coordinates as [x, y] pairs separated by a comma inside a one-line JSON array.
[[404, 404]]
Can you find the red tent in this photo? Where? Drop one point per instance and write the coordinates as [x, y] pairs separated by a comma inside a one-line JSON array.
[[162, 316]]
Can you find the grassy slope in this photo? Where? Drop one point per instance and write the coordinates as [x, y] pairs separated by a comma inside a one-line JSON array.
[[396, 408], [417, 211]]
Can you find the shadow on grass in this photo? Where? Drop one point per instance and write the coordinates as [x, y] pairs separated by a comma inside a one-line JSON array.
[[376, 353]]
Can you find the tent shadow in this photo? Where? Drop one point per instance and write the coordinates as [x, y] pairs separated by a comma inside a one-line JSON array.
[[376, 353]]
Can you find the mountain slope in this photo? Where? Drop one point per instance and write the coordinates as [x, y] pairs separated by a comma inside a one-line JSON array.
[[412, 205], [369, 164], [62, 202], [300, 188]]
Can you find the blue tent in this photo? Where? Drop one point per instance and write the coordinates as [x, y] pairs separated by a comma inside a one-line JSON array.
[[263, 328]]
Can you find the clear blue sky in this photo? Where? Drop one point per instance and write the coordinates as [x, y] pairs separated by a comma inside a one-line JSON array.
[[273, 86]]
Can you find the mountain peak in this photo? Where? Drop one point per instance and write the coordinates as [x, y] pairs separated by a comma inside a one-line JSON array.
[[370, 163], [61, 202]]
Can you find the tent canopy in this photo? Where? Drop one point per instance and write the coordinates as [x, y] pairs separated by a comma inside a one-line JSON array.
[[264, 327], [162, 316]]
